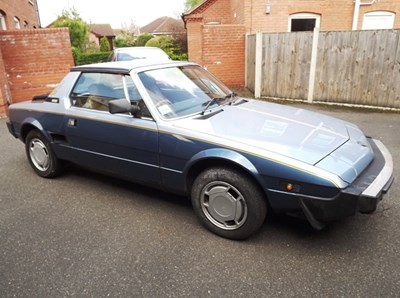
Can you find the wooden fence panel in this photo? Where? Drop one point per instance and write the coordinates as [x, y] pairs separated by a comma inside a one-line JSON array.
[[250, 61], [358, 67], [286, 64], [355, 67]]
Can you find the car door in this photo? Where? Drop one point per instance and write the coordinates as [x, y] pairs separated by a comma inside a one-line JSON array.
[[117, 144]]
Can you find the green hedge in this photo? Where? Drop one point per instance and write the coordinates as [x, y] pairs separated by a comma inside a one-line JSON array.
[[89, 58], [179, 57]]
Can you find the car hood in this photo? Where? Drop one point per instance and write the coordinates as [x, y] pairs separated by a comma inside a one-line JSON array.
[[292, 132]]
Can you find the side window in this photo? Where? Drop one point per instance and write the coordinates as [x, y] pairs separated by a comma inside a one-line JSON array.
[[133, 93], [136, 99], [95, 90]]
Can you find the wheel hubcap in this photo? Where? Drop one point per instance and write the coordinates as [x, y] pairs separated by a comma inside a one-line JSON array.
[[39, 154], [223, 205]]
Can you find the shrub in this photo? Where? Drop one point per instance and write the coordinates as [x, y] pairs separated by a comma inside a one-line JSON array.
[[142, 39], [125, 39], [154, 42], [120, 42], [104, 44], [168, 45], [91, 47], [75, 54], [89, 58], [179, 57]]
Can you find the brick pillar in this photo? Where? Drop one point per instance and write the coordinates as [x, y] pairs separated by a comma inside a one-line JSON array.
[[4, 88]]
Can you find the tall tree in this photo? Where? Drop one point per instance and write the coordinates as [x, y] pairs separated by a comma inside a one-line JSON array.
[[78, 29], [127, 35]]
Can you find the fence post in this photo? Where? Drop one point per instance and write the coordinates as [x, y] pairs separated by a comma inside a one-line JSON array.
[[313, 65], [246, 57], [258, 65]]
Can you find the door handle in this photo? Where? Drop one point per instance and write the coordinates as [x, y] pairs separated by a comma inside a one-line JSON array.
[[72, 122]]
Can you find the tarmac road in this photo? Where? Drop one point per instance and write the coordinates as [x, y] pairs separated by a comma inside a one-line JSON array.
[[85, 234]]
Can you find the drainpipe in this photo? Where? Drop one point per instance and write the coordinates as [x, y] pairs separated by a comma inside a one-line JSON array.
[[37, 14], [357, 4]]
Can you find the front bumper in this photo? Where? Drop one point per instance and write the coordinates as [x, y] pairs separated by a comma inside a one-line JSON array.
[[362, 195]]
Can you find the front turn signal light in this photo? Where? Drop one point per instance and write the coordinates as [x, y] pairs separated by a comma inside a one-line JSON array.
[[290, 187]]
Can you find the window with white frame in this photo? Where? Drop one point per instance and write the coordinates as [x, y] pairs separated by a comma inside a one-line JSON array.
[[26, 25], [303, 22], [378, 20], [17, 25], [3, 20]]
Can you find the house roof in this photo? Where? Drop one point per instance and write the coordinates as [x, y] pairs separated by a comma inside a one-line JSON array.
[[164, 25], [101, 30]]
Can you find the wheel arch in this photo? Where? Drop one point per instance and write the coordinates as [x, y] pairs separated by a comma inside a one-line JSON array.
[[30, 124], [221, 158]]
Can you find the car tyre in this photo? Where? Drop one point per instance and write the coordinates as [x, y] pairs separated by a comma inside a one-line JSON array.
[[41, 156], [228, 203]]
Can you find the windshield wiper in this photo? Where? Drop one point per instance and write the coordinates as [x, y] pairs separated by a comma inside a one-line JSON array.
[[211, 101]]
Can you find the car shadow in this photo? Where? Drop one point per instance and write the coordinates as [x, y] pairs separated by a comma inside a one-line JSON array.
[[279, 227], [139, 191]]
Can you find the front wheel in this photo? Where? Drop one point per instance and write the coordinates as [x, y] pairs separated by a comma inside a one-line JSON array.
[[228, 203], [41, 156]]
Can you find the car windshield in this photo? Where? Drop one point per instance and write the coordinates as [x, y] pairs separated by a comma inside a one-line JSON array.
[[182, 91]]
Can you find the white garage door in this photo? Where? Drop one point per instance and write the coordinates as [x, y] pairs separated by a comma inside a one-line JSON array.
[[378, 20]]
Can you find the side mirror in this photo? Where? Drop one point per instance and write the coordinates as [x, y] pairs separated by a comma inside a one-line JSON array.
[[122, 106], [119, 106]]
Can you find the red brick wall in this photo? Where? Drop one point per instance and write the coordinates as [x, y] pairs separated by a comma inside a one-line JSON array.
[[4, 87], [194, 42], [223, 48], [24, 10], [238, 11], [34, 60], [219, 12]]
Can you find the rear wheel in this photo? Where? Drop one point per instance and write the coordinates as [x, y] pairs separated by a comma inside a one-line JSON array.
[[41, 156], [228, 203]]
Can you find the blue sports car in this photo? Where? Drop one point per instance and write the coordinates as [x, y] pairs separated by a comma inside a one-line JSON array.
[[174, 126]]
